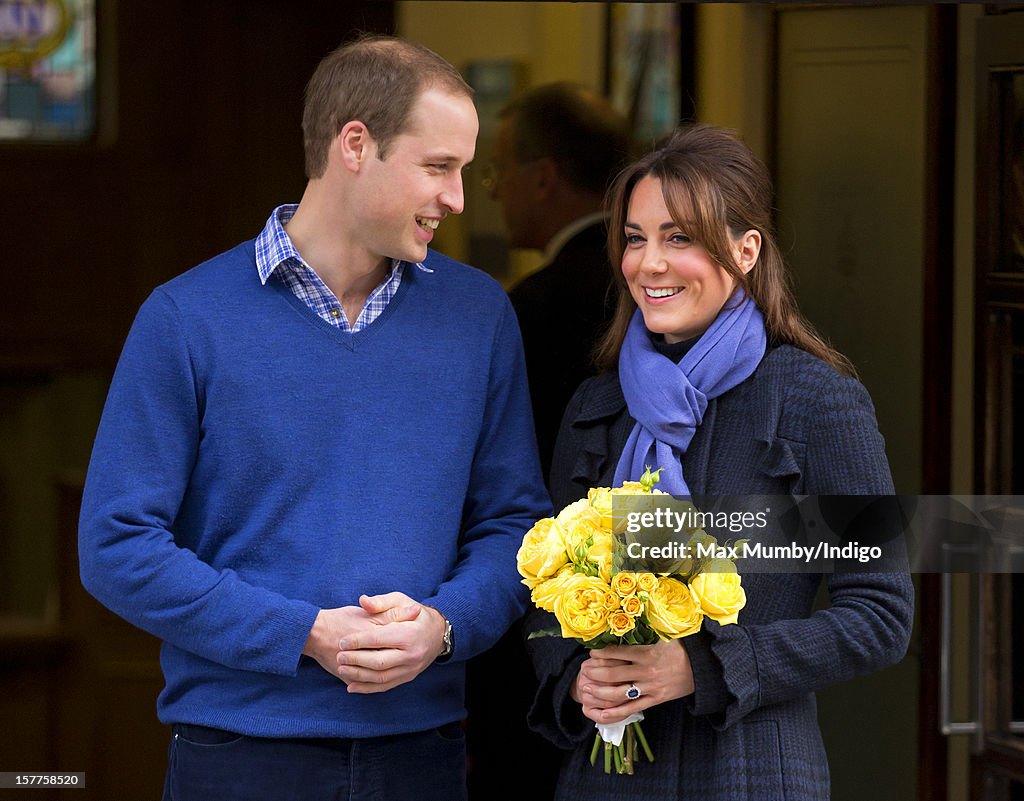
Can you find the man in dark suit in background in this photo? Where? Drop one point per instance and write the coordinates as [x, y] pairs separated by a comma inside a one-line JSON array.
[[558, 147]]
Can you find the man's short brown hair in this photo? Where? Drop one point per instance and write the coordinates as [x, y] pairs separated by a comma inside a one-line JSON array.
[[575, 127], [376, 80]]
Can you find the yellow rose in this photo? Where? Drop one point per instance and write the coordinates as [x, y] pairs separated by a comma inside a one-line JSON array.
[[633, 606], [578, 533], [573, 512], [701, 538], [646, 582], [720, 591], [542, 553], [582, 608], [600, 499], [624, 583], [632, 500], [604, 545], [620, 623], [545, 592], [604, 568], [673, 609]]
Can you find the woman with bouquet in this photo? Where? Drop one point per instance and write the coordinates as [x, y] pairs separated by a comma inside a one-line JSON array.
[[711, 373]]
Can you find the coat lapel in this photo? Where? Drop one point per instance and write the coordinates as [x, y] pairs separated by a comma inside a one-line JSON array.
[[603, 425]]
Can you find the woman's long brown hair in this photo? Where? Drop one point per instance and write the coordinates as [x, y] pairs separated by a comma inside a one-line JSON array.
[[714, 188]]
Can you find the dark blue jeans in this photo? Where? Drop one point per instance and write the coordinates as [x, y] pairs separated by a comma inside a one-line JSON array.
[[209, 764]]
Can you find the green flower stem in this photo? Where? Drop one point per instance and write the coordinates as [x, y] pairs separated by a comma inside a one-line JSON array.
[[626, 754], [643, 741]]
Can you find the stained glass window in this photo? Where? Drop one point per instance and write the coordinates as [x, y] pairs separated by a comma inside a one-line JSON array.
[[47, 70]]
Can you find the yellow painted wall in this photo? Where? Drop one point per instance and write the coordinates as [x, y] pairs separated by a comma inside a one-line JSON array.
[[557, 41], [734, 70]]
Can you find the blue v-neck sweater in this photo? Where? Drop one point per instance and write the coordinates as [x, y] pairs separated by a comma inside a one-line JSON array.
[[254, 464]]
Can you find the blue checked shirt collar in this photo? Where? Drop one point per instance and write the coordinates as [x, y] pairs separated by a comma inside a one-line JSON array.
[[276, 256]]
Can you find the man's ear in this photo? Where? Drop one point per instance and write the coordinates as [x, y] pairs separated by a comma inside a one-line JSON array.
[[544, 177], [353, 145]]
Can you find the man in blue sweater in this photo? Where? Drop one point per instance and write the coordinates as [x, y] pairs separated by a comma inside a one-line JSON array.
[[316, 464]]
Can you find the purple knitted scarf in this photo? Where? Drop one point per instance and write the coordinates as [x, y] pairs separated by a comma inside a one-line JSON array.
[[668, 400]]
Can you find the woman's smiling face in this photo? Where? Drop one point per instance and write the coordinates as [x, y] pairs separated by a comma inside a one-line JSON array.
[[677, 286]]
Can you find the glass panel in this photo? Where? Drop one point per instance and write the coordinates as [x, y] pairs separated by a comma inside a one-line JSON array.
[[644, 64], [1015, 690], [1011, 235], [1015, 419], [1016, 646]]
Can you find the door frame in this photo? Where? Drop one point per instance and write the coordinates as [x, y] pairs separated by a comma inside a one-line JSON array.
[[998, 756]]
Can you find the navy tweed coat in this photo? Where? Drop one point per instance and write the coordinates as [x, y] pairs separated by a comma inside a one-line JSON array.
[[749, 732]]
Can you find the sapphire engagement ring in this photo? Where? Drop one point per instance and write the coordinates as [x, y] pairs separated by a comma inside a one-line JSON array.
[[633, 692]]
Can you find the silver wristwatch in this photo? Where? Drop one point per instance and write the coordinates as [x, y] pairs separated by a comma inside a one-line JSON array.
[[448, 639]]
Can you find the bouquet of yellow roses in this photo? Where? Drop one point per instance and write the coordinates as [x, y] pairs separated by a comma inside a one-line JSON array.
[[570, 563]]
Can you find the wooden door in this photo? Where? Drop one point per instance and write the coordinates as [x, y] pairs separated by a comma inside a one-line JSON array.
[[997, 761]]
